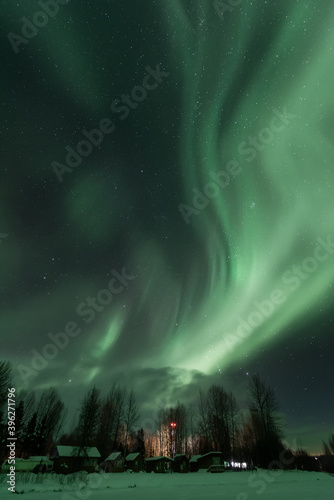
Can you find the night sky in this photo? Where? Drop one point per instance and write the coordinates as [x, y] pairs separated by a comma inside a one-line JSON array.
[[190, 240]]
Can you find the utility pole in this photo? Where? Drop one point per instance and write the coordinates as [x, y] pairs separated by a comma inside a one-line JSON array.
[[172, 438]]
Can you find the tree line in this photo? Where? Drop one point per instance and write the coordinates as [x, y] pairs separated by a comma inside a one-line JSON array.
[[111, 422], [216, 423]]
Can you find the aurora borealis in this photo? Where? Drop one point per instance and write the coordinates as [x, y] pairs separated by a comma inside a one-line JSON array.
[[209, 200]]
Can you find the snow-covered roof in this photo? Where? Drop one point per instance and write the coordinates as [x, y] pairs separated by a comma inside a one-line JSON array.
[[32, 459], [212, 452], [71, 451], [151, 459], [113, 456], [132, 456], [194, 458]]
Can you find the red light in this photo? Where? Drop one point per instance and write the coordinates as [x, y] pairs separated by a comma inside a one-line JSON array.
[[173, 424]]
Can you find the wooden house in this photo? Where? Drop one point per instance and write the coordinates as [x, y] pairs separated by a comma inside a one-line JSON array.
[[134, 462], [66, 459], [181, 463], [115, 462], [193, 463], [159, 464], [211, 458]]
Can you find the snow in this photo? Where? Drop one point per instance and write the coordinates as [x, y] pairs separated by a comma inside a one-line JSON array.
[[153, 459], [113, 456], [246, 485], [70, 451], [132, 456]]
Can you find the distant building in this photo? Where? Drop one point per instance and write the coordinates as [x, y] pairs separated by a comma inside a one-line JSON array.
[[204, 461], [115, 462], [159, 464], [134, 462], [193, 463], [66, 459], [181, 463]]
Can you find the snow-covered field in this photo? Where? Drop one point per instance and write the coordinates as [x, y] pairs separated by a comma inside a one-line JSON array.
[[266, 485]]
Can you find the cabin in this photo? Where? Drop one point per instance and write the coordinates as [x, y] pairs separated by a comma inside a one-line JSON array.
[[115, 462], [66, 460], [211, 458], [193, 464], [134, 462], [159, 464], [181, 463], [204, 461]]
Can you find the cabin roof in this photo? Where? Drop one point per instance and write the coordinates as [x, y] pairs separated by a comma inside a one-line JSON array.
[[113, 456], [132, 456], [152, 459], [71, 451]]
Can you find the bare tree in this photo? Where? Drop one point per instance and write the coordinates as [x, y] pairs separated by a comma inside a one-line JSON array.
[[266, 424], [50, 419], [25, 410], [218, 406], [131, 417], [329, 447], [191, 441], [218, 412], [233, 421], [172, 439], [179, 416], [29, 402], [111, 419], [203, 423], [118, 397], [87, 424], [331, 443]]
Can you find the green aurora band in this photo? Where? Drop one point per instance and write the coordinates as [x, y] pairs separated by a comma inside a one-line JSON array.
[[284, 195], [232, 75]]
